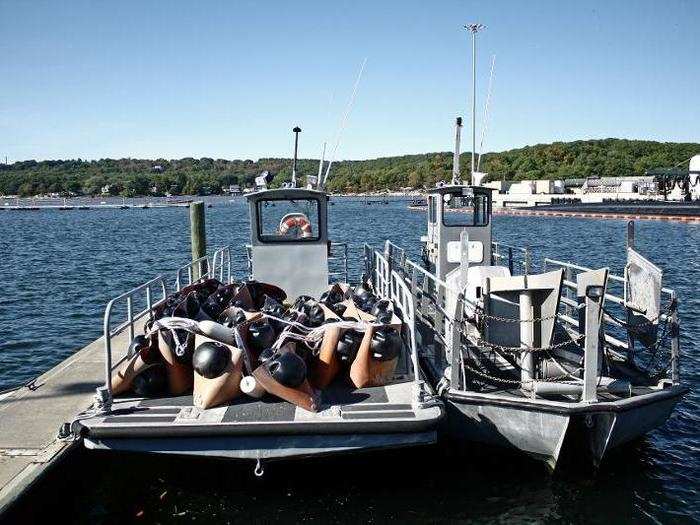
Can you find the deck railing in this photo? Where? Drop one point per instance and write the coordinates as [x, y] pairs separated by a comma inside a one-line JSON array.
[[514, 257], [140, 299], [389, 284], [449, 316], [218, 266]]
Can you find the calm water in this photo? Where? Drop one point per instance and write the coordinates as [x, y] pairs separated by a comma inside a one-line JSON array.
[[61, 267]]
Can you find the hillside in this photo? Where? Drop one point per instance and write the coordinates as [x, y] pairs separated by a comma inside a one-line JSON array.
[[129, 177]]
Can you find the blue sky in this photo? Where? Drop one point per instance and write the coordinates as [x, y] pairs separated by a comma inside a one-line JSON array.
[[230, 79]]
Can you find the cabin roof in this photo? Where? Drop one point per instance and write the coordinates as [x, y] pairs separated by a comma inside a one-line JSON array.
[[449, 188], [286, 193]]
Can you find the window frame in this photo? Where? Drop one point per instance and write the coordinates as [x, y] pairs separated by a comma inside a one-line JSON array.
[[486, 211], [277, 239]]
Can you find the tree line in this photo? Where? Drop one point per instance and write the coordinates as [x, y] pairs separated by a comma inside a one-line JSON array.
[[189, 176]]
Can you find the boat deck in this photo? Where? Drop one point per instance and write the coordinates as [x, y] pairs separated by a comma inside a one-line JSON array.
[[384, 409]]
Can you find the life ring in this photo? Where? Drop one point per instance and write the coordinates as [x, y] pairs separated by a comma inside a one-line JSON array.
[[296, 220]]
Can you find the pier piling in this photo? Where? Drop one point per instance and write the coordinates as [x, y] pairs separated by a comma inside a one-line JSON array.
[[198, 238]]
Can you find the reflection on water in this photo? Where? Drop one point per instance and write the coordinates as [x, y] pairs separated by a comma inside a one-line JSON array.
[[61, 268]]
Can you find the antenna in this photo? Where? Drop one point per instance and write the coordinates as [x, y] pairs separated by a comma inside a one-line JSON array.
[[344, 122], [456, 178], [320, 165], [474, 29], [296, 131], [486, 112]]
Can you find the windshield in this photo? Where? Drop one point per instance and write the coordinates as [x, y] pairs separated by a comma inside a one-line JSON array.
[[465, 210], [288, 220]]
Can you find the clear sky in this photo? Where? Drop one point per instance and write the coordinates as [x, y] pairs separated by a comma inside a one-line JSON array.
[[230, 79]]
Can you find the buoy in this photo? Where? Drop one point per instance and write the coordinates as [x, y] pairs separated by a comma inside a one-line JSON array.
[[348, 345], [386, 344], [383, 310], [288, 369], [211, 359], [261, 335], [151, 382]]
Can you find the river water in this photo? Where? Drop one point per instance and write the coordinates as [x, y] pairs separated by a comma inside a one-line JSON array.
[[61, 267]]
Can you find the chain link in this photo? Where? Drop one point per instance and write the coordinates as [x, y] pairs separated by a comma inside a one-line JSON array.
[[512, 381], [520, 350]]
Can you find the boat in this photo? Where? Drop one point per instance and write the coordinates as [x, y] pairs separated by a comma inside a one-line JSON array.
[[564, 364], [363, 400]]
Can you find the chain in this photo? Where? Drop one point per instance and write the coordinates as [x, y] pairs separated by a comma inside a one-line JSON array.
[[519, 350], [511, 381], [512, 320]]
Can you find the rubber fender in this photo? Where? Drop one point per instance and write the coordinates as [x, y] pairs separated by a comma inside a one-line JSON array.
[[386, 344], [211, 359], [288, 369], [151, 382], [217, 332]]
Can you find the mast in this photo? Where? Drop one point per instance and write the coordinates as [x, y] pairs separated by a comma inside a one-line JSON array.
[[456, 178], [296, 131], [319, 182], [474, 29]]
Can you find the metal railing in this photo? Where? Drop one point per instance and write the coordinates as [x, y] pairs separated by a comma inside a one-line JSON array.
[[449, 317], [511, 256], [614, 335], [143, 293], [338, 262], [390, 285], [218, 266], [438, 307]]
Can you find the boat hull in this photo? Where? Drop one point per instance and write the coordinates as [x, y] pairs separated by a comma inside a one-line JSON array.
[[265, 447], [550, 431]]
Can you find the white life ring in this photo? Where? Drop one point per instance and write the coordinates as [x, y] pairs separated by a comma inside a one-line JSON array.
[[296, 220]]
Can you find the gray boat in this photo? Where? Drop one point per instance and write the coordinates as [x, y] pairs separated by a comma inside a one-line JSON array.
[[403, 411], [568, 362]]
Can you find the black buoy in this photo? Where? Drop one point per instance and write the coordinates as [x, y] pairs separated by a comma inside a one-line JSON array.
[[288, 369], [348, 345], [232, 316], [360, 294], [331, 297], [261, 335], [383, 310], [211, 359], [151, 382], [314, 314], [138, 343], [386, 344], [339, 309], [266, 355], [369, 303]]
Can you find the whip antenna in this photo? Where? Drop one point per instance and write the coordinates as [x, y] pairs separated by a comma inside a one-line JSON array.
[[343, 123], [486, 112]]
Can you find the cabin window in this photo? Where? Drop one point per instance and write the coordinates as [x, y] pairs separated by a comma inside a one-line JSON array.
[[284, 220], [465, 210]]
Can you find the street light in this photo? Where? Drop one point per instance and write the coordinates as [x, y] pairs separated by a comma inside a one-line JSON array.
[[474, 29]]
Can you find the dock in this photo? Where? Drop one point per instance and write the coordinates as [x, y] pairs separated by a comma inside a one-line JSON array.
[[70, 207], [31, 416]]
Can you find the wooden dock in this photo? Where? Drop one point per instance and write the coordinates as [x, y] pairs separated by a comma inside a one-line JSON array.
[[31, 416]]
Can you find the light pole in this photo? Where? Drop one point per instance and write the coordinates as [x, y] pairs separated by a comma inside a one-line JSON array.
[[474, 29], [296, 131]]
